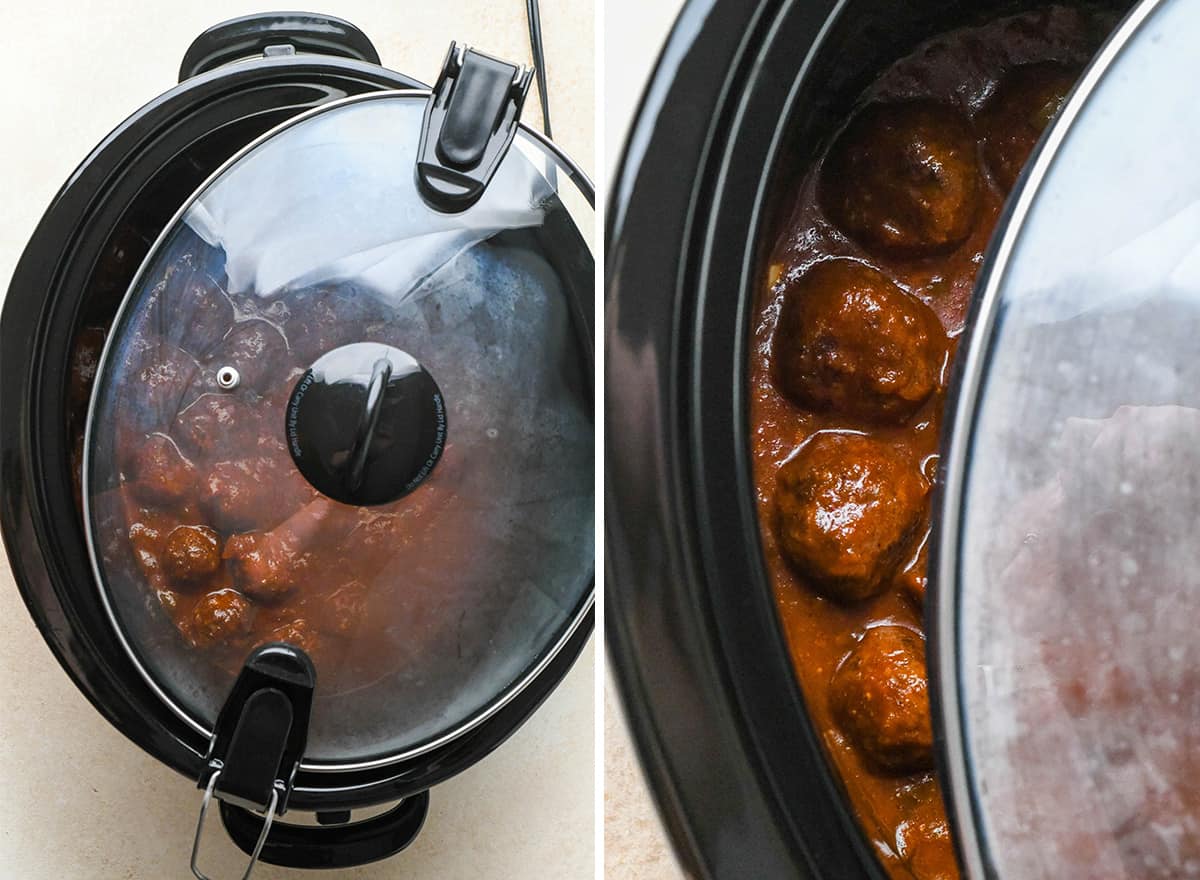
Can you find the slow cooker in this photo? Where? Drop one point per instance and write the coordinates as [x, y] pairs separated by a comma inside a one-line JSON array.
[[297, 429], [1060, 578]]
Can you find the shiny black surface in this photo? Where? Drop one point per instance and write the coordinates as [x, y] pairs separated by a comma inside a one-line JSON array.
[[251, 35], [743, 97], [340, 846], [262, 730], [366, 423], [469, 125]]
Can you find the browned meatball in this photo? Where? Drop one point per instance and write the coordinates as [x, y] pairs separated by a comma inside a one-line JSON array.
[[847, 509], [256, 350], [903, 178], [221, 616], [168, 381], [160, 473], [880, 699], [192, 554], [298, 633], [923, 840], [264, 565], [850, 341], [146, 540], [253, 493], [218, 424], [189, 302], [1012, 120]]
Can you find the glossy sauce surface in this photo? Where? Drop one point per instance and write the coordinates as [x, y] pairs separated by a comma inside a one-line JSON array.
[[912, 188]]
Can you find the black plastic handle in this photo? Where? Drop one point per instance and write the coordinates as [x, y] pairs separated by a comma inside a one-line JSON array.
[[251, 35], [335, 846]]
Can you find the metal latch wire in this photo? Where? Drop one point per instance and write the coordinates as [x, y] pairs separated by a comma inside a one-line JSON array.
[[262, 837]]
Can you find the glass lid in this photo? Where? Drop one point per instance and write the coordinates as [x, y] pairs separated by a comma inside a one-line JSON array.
[[1068, 574], [334, 416]]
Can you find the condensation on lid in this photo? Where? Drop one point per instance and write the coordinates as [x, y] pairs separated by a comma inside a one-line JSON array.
[[1068, 585], [424, 613]]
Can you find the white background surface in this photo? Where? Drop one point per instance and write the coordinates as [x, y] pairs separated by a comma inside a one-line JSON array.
[[77, 800], [635, 847]]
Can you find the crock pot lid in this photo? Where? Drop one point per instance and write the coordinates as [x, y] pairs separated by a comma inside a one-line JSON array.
[[1068, 582], [382, 411]]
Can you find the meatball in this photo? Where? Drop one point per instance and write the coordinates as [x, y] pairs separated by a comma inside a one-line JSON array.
[[167, 382], [145, 539], [256, 492], [189, 300], [319, 323], [256, 350], [923, 840], [160, 472], [848, 506], [904, 178], [218, 424], [264, 565], [1012, 120], [880, 698], [221, 616], [192, 554], [850, 341], [297, 633]]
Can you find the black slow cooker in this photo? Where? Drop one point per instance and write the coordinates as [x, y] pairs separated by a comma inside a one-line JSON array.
[[388, 285], [1061, 581]]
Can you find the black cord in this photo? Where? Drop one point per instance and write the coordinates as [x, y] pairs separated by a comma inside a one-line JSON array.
[[539, 60]]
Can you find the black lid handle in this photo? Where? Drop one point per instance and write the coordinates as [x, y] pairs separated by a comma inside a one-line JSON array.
[[470, 122], [251, 35], [259, 739]]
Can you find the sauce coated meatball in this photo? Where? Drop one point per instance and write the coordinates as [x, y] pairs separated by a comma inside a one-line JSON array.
[[904, 178], [168, 381], [847, 507], [1013, 119], [850, 341], [923, 840], [298, 633], [264, 566], [189, 303], [222, 616], [880, 697], [160, 472], [192, 554], [218, 424], [256, 492]]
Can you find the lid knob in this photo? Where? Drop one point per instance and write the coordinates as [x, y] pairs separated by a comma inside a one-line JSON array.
[[366, 424], [469, 124]]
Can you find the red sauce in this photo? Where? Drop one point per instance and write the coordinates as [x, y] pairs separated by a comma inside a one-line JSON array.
[[992, 88]]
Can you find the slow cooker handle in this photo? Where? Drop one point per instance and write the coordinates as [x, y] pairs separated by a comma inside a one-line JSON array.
[[336, 846], [252, 35]]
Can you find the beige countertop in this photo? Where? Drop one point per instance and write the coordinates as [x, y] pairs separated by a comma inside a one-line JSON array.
[[80, 802], [635, 846]]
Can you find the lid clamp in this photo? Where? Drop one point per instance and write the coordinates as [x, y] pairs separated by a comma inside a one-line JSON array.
[[259, 739], [469, 124]]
